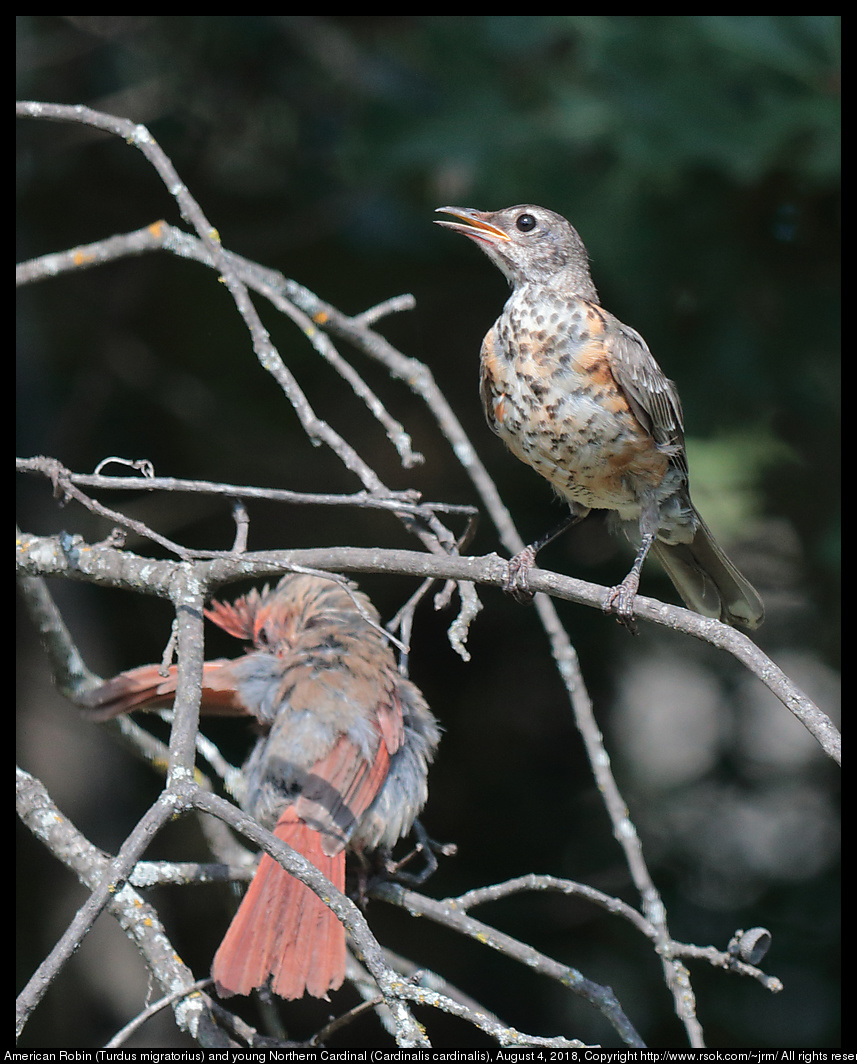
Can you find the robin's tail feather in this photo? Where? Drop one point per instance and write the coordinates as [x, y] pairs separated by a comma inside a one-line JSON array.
[[708, 582]]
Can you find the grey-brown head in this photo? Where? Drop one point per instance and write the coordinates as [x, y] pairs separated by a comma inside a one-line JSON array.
[[529, 244]]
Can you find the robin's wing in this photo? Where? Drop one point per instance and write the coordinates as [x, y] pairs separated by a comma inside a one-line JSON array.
[[652, 395]]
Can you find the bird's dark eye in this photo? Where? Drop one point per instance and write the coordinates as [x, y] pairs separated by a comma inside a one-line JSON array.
[[525, 222]]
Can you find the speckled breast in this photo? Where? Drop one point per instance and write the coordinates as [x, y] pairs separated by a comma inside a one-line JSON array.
[[549, 393]]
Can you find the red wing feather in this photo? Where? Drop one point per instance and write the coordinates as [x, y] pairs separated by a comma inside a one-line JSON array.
[[146, 688]]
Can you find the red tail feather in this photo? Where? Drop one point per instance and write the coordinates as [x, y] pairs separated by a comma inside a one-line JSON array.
[[282, 929]]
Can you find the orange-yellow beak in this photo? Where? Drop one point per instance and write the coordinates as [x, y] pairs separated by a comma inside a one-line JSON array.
[[477, 226]]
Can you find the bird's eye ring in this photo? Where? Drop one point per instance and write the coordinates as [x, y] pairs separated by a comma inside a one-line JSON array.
[[525, 222]]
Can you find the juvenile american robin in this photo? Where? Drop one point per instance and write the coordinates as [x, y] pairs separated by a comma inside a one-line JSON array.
[[577, 395], [343, 762]]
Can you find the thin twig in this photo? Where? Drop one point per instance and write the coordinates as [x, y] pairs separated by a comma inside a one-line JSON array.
[[124, 1033], [615, 906], [448, 914]]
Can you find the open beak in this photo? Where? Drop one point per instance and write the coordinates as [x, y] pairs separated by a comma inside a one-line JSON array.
[[477, 226]]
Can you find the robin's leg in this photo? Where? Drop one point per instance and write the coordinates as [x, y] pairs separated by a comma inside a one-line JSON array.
[[517, 583], [620, 599]]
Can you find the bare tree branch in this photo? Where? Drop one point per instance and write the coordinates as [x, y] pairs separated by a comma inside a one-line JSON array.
[[449, 914], [104, 564]]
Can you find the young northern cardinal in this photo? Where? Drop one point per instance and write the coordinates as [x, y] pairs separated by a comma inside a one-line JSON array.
[[343, 763]]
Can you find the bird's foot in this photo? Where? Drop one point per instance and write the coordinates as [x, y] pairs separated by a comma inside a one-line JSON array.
[[517, 576], [426, 846], [620, 601]]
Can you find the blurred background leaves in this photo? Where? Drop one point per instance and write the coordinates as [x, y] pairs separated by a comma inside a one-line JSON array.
[[699, 158]]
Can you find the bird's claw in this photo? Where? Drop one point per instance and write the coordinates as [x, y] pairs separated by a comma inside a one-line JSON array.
[[517, 576], [425, 845], [620, 601]]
